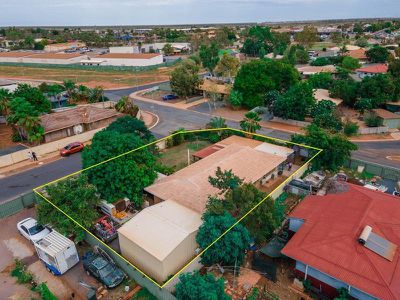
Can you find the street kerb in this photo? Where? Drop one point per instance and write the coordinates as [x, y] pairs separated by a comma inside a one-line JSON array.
[[155, 142]]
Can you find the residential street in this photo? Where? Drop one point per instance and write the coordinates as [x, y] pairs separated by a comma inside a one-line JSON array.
[[170, 119]]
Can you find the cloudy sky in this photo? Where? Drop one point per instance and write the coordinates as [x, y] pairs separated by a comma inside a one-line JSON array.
[[143, 12]]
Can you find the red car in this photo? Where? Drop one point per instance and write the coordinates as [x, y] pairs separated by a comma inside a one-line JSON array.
[[71, 148]]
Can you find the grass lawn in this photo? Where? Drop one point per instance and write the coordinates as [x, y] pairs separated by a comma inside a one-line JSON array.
[[107, 79], [177, 156], [321, 45], [143, 294]]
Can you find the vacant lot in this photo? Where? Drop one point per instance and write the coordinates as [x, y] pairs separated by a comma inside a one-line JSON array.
[[91, 78], [177, 156]]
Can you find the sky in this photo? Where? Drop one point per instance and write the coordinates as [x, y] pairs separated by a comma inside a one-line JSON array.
[[158, 12]]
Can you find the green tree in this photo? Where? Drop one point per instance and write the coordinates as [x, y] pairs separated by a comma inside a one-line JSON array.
[[347, 90], [350, 128], [363, 104], [129, 124], [302, 56], [378, 54], [168, 49], [34, 96], [350, 63], [225, 180], [228, 66], [5, 98], [326, 116], [77, 198], [194, 286], [336, 147], [209, 56], [259, 37], [362, 42], [321, 61], [96, 94], [379, 88], [307, 37], [371, 119], [230, 248], [296, 103], [125, 176], [185, 80], [394, 68], [321, 80], [69, 87], [125, 105], [235, 99], [251, 122], [258, 77]]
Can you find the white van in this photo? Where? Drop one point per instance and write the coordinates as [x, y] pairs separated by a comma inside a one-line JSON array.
[[57, 252]]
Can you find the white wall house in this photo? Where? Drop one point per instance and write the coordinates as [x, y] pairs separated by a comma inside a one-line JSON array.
[[130, 59]]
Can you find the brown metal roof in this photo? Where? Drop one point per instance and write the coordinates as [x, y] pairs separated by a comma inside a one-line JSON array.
[[385, 114], [79, 115], [56, 55]]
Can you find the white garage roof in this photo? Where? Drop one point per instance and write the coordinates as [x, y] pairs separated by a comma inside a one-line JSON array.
[[160, 228]]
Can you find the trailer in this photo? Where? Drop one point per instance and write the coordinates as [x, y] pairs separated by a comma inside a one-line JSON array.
[[57, 252]]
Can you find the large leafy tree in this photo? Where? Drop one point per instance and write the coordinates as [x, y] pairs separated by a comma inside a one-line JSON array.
[[350, 63], [307, 37], [251, 122], [228, 250], [185, 80], [394, 68], [336, 147], [258, 77], [194, 286], [128, 124], [228, 66], [125, 176], [326, 116], [346, 89], [259, 37], [379, 88], [296, 103], [77, 198], [209, 56], [34, 96], [321, 80], [378, 54]]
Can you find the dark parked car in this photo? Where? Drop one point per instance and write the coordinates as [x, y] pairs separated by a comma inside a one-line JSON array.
[[71, 148], [169, 97], [102, 268]]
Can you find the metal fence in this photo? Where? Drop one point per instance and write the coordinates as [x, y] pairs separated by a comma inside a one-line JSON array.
[[162, 294], [375, 169], [15, 205]]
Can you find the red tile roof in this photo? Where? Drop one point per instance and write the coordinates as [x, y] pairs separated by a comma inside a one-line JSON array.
[[327, 241], [359, 54], [374, 69], [207, 151]]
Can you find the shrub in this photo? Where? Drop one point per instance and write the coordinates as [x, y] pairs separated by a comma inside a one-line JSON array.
[[320, 61], [371, 119], [44, 292], [20, 272], [350, 128]]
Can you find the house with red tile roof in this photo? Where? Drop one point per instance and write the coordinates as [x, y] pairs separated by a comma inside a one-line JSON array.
[[350, 240], [372, 70]]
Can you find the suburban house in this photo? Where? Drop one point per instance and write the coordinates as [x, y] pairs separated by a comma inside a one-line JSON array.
[[389, 119], [311, 70], [72, 121], [161, 238], [323, 94], [358, 54], [372, 70], [348, 239], [125, 59], [152, 47]]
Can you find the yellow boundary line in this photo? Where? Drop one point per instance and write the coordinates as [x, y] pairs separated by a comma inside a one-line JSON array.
[[155, 142]]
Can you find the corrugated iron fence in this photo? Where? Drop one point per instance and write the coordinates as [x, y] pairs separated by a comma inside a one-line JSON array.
[[375, 169], [15, 205]]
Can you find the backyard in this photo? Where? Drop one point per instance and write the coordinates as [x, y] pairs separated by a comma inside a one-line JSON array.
[[177, 156]]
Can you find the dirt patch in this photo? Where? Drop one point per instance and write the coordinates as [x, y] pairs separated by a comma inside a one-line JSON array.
[[5, 137], [18, 249]]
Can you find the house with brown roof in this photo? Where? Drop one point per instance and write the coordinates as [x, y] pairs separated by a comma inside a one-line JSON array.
[[359, 54], [349, 239], [35, 57], [72, 121], [161, 239], [389, 119]]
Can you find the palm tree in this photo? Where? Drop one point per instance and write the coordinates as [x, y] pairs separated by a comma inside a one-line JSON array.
[[216, 122], [125, 105], [5, 97], [69, 87], [29, 125], [96, 94], [251, 122]]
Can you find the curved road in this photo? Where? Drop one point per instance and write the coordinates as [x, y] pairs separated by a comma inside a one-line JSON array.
[[170, 119]]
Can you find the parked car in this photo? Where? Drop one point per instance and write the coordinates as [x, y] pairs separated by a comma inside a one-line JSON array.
[[71, 148], [30, 229], [169, 97], [101, 267]]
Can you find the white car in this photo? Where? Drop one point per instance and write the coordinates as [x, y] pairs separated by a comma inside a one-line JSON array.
[[33, 231]]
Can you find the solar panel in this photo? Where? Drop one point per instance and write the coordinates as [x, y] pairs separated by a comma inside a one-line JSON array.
[[380, 246]]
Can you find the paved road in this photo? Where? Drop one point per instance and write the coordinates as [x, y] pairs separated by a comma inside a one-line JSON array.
[[170, 119]]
